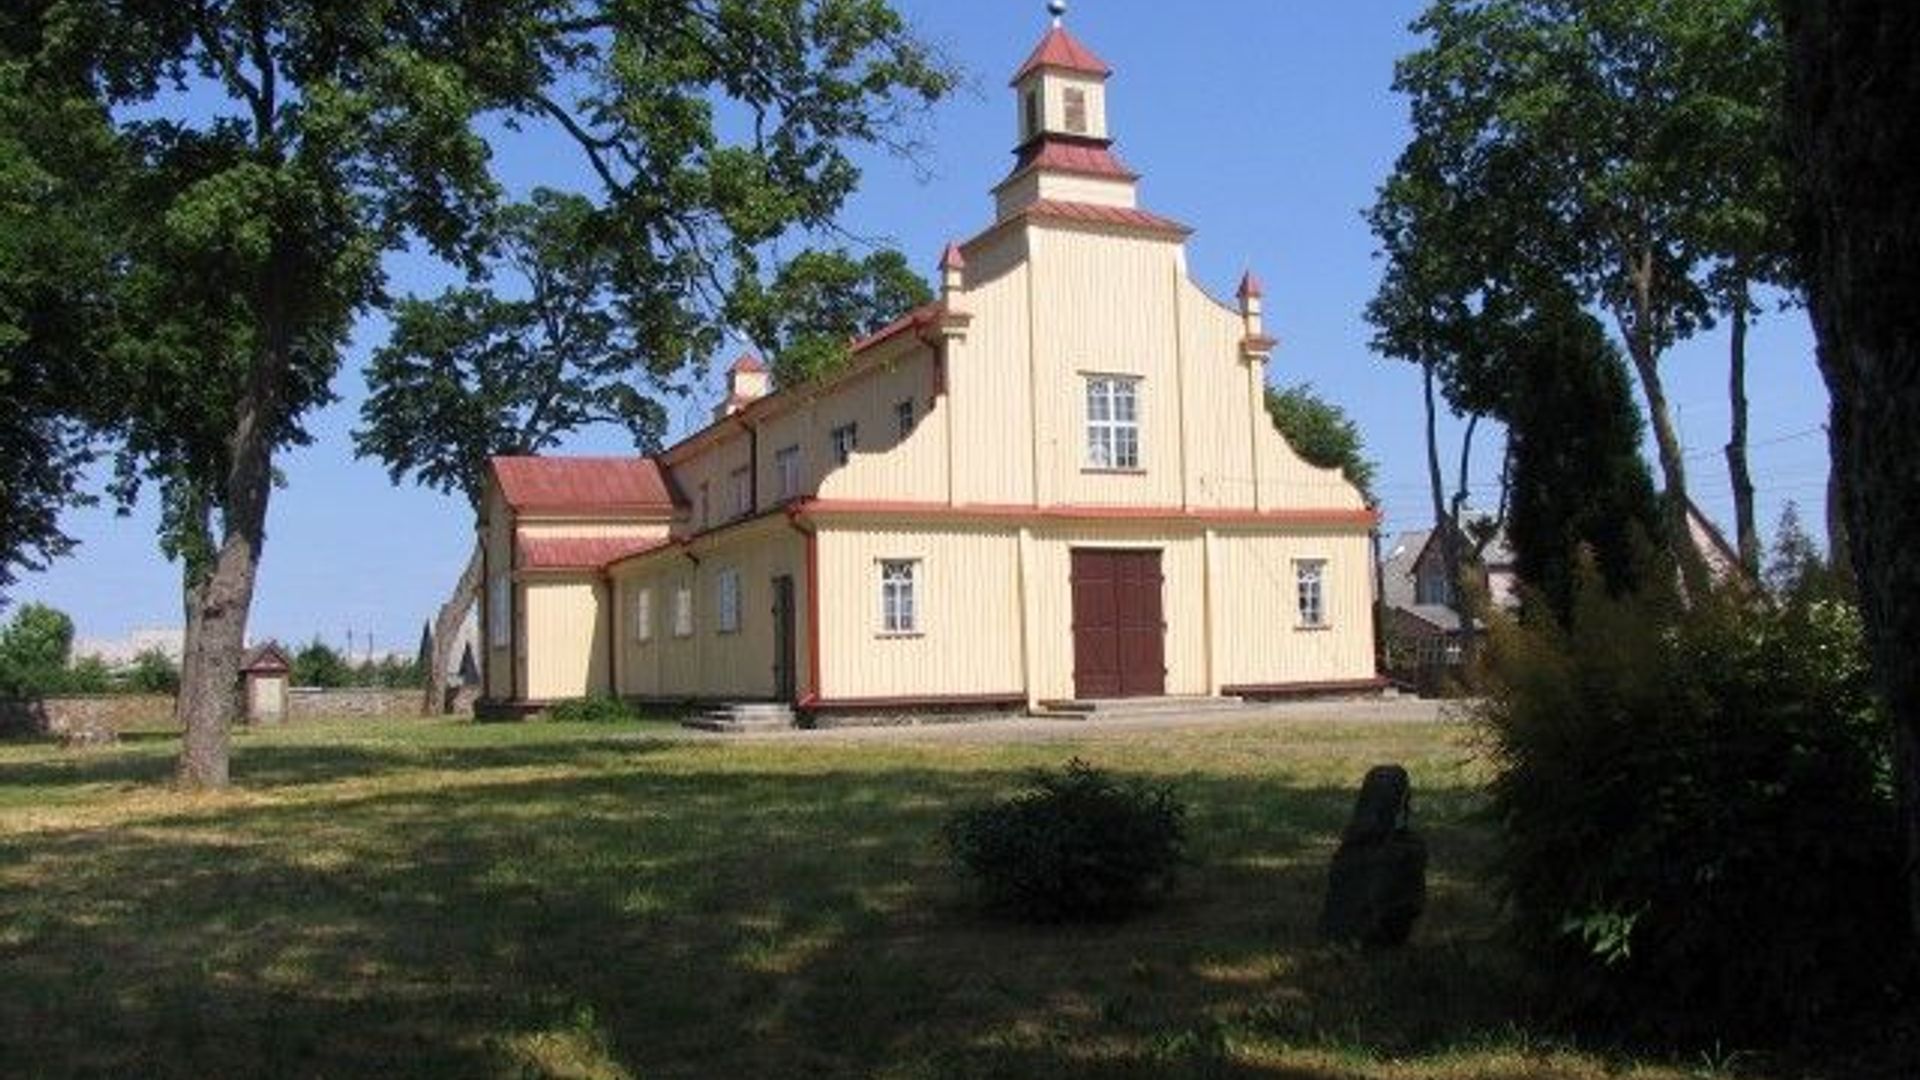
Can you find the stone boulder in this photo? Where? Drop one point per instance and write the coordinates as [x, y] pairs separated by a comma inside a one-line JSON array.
[[1377, 885]]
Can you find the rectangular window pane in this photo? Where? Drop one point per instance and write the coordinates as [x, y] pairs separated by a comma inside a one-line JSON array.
[[1310, 579], [683, 612], [643, 615], [1076, 102], [897, 614], [1113, 422], [787, 463], [903, 416]]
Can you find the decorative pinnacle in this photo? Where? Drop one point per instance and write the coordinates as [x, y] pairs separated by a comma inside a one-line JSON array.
[[1058, 8]]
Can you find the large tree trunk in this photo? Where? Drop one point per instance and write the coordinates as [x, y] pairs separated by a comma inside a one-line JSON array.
[[1747, 534], [1855, 94], [1442, 524], [446, 630]]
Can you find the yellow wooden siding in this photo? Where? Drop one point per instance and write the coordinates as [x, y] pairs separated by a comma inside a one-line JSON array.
[[566, 621], [1099, 191], [885, 466], [1105, 305], [794, 428], [708, 663], [1219, 423], [988, 375], [967, 600], [714, 467], [1261, 640], [587, 529]]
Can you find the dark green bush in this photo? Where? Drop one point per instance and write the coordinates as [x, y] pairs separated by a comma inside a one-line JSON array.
[[599, 709], [153, 672], [1077, 844], [1696, 810]]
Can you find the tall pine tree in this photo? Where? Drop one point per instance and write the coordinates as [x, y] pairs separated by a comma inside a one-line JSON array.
[[1580, 487]]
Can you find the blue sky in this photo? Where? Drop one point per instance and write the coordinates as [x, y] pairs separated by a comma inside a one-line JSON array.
[[1266, 126]]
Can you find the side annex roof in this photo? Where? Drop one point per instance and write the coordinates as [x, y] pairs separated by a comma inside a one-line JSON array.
[[591, 485]]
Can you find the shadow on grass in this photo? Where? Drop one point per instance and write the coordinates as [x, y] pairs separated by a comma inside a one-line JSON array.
[[149, 759], [701, 916]]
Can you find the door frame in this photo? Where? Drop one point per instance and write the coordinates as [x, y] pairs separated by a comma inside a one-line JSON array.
[[1158, 555]]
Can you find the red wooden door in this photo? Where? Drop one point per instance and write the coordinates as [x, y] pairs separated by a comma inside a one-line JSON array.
[[1119, 631]]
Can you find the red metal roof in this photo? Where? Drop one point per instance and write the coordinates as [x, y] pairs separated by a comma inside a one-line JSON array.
[[580, 553], [1063, 51], [1091, 158], [748, 362], [1249, 286], [583, 483], [1125, 217]]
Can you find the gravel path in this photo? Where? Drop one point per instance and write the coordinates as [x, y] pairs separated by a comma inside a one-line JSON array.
[[1038, 729]]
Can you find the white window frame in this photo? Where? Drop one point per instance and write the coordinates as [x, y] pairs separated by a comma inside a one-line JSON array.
[[500, 609], [643, 615], [726, 590], [1113, 439], [1310, 593], [741, 480], [905, 417], [786, 467], [899, 597], [844, 439], [683, 611]]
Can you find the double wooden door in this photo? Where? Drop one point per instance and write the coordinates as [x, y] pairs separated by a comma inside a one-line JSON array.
[[1119, 627]]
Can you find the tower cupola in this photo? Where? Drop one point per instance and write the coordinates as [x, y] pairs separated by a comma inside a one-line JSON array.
[[1063, 148]]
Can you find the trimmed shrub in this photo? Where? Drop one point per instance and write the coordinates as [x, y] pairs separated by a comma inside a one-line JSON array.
[[1696, 811], [599, 709], [1075, 845]]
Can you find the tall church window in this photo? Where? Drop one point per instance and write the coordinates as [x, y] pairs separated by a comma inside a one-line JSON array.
[[1113, 422]]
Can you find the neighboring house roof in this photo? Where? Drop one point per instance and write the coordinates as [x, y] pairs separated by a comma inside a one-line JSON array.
[[1396, 570], [598, 484], [580, 553], [266, 658], [1063, 52]]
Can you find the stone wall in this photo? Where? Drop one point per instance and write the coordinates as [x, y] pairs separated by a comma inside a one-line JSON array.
[[58, 715]]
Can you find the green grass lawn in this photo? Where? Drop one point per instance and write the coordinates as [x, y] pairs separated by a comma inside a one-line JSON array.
[[450, 899]]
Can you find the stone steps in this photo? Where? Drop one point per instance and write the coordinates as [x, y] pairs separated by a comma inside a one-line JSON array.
[[1118, 708], [742, 717]]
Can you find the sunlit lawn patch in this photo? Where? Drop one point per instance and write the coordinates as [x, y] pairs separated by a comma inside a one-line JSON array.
[[600, 900]]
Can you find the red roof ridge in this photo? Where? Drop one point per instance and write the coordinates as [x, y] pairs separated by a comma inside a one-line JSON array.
[[921, 316], [586, 483], [1064, 52]]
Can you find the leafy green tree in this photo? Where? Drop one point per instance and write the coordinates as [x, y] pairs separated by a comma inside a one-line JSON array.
[[1851, 108], [318, 664], [818, 303], [153, 672], [1579, 143], [473, 373], [1581, 496], [1322, 433], [56, 167], [35, 648], [281, 149]]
